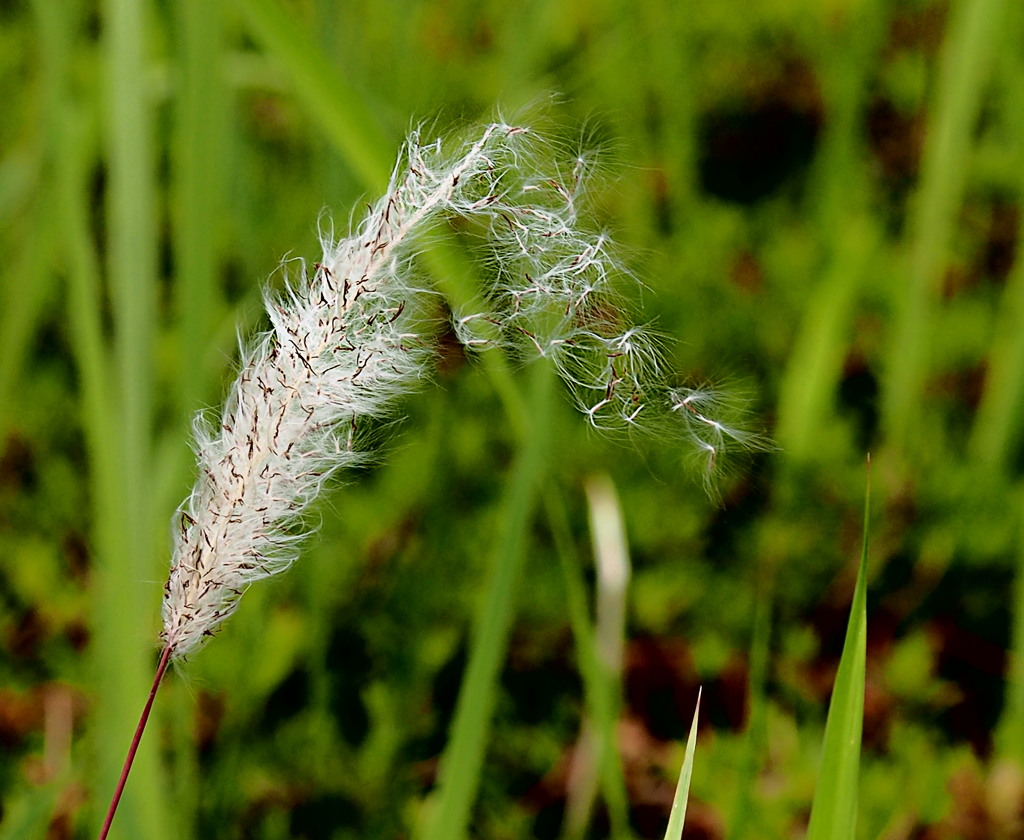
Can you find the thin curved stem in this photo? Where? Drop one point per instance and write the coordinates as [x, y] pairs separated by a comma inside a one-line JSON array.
[[161, 668]]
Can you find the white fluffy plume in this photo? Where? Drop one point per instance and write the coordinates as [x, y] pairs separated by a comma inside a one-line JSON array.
[[346, 341]]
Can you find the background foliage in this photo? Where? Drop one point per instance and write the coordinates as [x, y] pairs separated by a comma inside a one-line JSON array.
[[822, 200]]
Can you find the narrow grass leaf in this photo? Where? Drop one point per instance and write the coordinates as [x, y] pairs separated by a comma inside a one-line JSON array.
[[324, 90], [816, 361], [677, 817], [448, 816], [27, 286], [834, 811], [969, 44], [998, 422], [198, 194], [27, 293], [122, 620], [118, 666]]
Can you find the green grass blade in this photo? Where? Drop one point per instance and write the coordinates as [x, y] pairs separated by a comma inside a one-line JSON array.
[[27, 286], [448, 814], [944, 168], [848, 238], [120, 638], [677, 817], [1000, 416], [198, 194], [28, 290], [997, 425], [84, 295], [125, 607], [340, 109], [816, 362], [834, 811]]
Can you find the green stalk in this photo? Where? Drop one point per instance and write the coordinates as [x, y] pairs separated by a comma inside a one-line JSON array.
[[816, 361], [969, 44], [671, 37], [72, 149], [848, 238], [28, 290], [198, 191], [27, 285], [198, 152], [448, 814], [84, 295], [123, 617], [324, 90], [998, 423]]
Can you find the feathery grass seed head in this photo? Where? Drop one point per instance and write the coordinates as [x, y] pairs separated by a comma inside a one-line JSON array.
[[348, 338]]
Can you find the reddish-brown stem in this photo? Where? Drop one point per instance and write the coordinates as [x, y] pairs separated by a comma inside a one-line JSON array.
[[160, 669]]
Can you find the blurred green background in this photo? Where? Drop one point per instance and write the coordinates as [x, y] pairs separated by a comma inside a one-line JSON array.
[[822, 201]]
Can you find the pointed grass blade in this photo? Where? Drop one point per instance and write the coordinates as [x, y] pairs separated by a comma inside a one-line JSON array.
[[834, 812], [678, 814]]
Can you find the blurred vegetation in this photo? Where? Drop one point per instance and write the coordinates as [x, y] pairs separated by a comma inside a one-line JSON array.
[[823, 203]]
